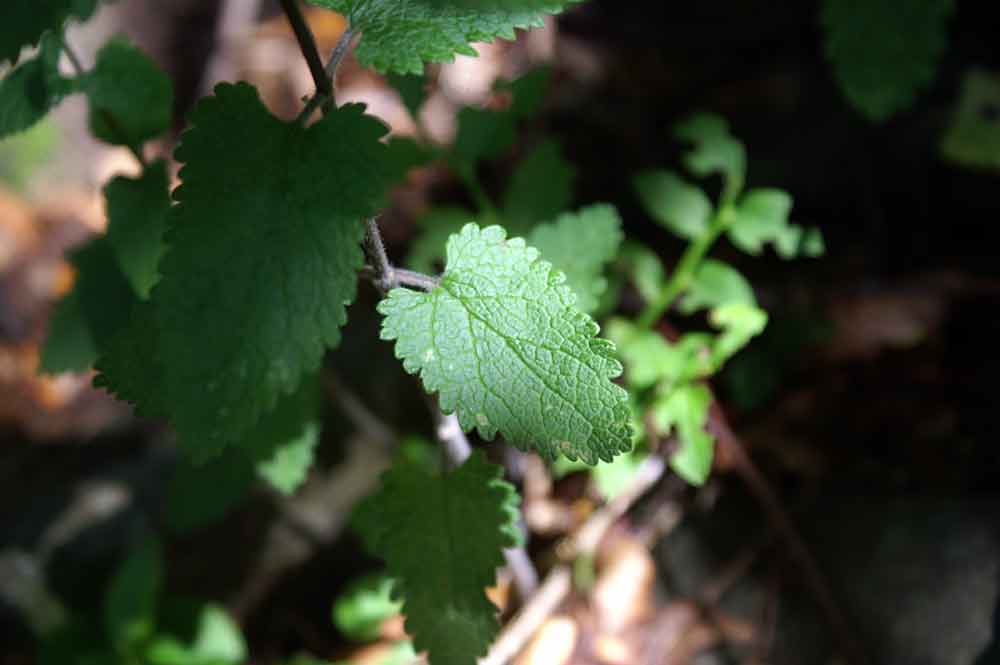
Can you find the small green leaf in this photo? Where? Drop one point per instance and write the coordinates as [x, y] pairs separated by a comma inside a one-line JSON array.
[[883, 52], [643, 267], [105, 296], [540, 188], [215, 640], [400, 35], [131, 98], [25, 22], [715, 151], [676, 204], [481, 134], [581, 245], [740, 322], [255, 282], [650, 359], [685, 410], [284, 441], [412, 89], [716, 283], [437, 225], [502, 342], [137, 220], [32, 89], [360, 611], [130, 605], [761, 217], [973, 137], [442, 539], [69, 346]]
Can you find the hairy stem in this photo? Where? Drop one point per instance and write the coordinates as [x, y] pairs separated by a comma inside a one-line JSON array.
[[684, 272], [384, 275]]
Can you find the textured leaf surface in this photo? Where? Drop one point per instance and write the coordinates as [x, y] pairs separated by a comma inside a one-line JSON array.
[[29, 91], [400, 35], [24, 21], [128, 366], [130, 97], [263, 254], [137, 220], [883, 52], [581, 245], [676, 204], [442, 538], [69, 345], [503, 344], [437, 225], [540, 188]]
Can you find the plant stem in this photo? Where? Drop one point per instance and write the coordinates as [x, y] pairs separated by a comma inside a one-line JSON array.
[[384, 275], [307, 44], [684, 272], [105, 115]]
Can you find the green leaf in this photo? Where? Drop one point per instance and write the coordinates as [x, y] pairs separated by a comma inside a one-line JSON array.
[[715, 151], [137, 220], [255, 282], [650, 359], [131, 99], [216, 640], [502, 342], [610, 478], [580, 245], [202, 493], [884, 52], [716, 283], [740, 322], [360, 610], [643, 267], [69, 346], [128, 366], [130, 605], [540, 188], [442, 538], [400, 35], [685, 410], [761, 217], [973, 137], [32, 89], [437, 225], [105, 296], [412, 89], [676, 204], [25, 22], [528, 91]]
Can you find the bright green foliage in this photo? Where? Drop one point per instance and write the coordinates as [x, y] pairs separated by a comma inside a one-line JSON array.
[[884, 51], [442, 538], [137, 220], [255, 281], [437, 225], [540, 188], [23, 153], [610, 478], [130, 605], [400, 35], [973, 138], [502, 342], [650, 359], [762, 217], [676, 204], [32, 89], [716, 283], [360, 611], [24, 22], [213, 639], [131, 98], [69, 346], [714, 150], [581, 245], [739, 322], [412, 88], [685, 410]]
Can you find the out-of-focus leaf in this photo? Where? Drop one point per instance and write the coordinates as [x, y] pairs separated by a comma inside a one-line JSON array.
[[973, 138], [32, 89], [360, 611], [69, 345], [437, 225], [540, 188], [716, 283], [685, 409], [131, 602], [676, 204]]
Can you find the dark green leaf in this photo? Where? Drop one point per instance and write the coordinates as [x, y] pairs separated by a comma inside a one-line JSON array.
[[540, 188], [69, 346], [32, 89]]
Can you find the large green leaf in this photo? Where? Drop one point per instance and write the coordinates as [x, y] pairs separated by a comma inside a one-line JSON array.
[[502, 342], [263, 254]]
